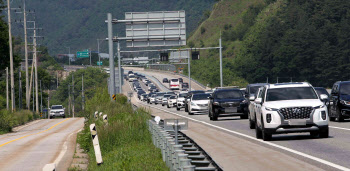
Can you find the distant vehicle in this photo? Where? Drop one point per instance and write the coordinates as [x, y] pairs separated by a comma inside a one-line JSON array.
[[130, 72], [189, 96], [152, 99], [252, 107], [340, 101], [165, 99], [149, 97], [290, 108], [252, 88], [148, 82], [165, 80], [132, 78], [184, 85], [150, 88], [181, 80], [57, 111], [180, 101], [174, 84], [159, 97], [228, 102], [199, 103], [143, 97], [171, 101]]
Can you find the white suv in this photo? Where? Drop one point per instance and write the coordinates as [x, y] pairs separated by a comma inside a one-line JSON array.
[[57, 110], [180, 100], [289, 108]]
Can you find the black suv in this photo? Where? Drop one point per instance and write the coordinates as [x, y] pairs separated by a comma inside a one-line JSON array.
[[228, 101], [188, 98], [340, 101], [165, 80], [181, 80]]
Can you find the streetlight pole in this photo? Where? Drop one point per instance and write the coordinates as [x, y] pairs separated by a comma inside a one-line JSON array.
[[221, 79], [26, 53], [98, 50], [189, 69], [120, 69], [7, 88], [11, 57], [111, 53], [68, 56]]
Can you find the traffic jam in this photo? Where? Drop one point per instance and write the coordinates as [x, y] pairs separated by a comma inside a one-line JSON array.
[[281, 108]]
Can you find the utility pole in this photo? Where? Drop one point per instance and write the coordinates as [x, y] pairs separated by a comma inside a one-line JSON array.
[[7, 88], [69, 102], [57, 79], [48, 104], [11, 57], [90, 55], [33, 93], [19, 88], [68, 56], [41, 99], [82, 92], [73, 93], [36, 70], [111, 53], [120, 69], [221, 79], [26, 54], [189, 69]]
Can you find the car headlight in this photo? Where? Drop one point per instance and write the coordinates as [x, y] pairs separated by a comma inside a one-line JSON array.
[[244, 101], [216, 103], [270, 109], [344, 102], [194, 104]]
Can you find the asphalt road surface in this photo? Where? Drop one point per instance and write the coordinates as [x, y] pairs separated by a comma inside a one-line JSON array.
[[38, 143], [331, 153]]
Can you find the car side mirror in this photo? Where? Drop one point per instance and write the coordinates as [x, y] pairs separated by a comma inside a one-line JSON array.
[[323, 97], [258, 100], [251, 97]]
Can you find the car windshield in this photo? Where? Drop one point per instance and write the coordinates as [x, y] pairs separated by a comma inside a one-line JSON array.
[[322, 91], [290, 93], [57, 107], [254, 89], [185, 84], [183, 94], [345, 89], [172, 97], [174, 80], [233, 94], [197, 92], [200, 96], [167, 95]]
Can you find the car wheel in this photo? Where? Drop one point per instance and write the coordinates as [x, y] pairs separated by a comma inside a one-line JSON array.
[[324, 133], [244, 116], [177, 108], [265, 136], [162, 104], [64, 116], [339, 117], [189, 113], [186, 109], [314, 134], [258, 133], [215, 115], [251, 123], [210, 115], [167, 106], [332, 118]]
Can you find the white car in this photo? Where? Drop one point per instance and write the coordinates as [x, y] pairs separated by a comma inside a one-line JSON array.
[[290, 108], [251, 108], [165, 99], [171, 101], [198, 103], [152, 99], [174, 84], [180, 101], [132, 78], [57, 110]]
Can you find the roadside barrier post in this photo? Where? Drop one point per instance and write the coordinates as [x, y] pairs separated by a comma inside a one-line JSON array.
[[96, 144], [105, 119], [95, 115]]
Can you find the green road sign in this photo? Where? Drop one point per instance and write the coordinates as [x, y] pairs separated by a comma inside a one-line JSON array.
[[99, 63], [83, 54]]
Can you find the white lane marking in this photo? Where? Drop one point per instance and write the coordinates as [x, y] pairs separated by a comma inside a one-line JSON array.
[[64, 148], [347, 129], [261, 141]]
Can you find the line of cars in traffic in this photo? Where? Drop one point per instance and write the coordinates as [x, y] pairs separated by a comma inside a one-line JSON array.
[[270, 108]]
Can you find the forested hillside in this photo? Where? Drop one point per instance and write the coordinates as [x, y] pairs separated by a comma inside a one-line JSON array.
[[78, 23], [307, 40]]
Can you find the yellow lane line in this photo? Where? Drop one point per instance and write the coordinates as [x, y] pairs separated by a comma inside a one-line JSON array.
[[33, 133]]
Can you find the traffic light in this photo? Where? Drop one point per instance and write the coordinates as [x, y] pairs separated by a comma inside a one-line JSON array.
[[164, 56], [195, 55]]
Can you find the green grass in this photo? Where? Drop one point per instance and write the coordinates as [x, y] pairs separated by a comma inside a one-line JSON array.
[[8, 120], [125, 142]]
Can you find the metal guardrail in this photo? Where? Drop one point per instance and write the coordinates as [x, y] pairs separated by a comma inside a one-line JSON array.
[[187, 156]]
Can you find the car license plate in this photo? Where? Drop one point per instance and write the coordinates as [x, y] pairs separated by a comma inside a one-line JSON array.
[[297, 122], [231, 110]]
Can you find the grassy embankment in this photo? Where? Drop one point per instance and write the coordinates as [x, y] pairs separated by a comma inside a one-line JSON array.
[[8, 120], [125, 142]]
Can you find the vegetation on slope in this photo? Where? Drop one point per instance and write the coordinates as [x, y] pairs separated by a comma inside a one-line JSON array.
[[126, 143]]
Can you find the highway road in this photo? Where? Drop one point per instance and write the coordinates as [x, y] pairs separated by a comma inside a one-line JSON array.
[[328, 153], [38, 143]]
